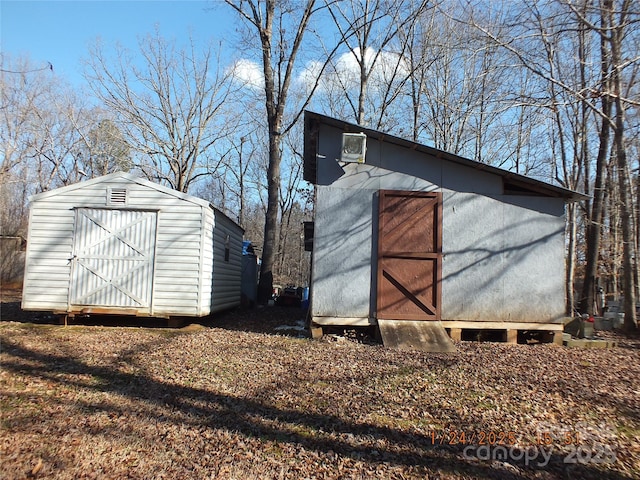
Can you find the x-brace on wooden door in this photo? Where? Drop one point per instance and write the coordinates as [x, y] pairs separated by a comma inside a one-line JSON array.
[[409, 255]]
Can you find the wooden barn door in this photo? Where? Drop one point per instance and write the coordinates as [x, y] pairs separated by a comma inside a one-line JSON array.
[[409, 255], [113, 258]]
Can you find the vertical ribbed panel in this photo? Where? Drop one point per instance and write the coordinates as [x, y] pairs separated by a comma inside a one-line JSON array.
[[113, 258]]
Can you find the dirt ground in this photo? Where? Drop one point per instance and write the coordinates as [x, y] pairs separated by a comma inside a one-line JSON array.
[[240, 396]]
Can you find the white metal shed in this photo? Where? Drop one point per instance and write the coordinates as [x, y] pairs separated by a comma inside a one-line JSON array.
[[119, 244]]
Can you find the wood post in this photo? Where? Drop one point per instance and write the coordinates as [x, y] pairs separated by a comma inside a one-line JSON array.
[[456, 334], [557, 338]]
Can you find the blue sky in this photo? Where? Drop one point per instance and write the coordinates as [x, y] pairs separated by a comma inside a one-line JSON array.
[[59, 32]]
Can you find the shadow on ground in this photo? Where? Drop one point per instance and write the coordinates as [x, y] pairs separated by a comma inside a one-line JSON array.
[[260, 420]]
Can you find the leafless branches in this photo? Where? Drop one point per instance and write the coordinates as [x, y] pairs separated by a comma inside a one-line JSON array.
[[170, 106]]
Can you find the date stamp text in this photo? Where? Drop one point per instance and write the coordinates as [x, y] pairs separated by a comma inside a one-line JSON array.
[[571, 444]]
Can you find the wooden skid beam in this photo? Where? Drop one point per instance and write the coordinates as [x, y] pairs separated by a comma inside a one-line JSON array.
[[502, 325], [316, 332]]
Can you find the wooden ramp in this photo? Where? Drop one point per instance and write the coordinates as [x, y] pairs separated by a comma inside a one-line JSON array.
[[428, 336]]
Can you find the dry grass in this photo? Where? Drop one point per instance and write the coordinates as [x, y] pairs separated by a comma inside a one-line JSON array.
[[236, 401]]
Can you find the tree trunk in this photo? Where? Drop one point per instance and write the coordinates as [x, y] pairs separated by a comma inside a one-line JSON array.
[[571, 255], [594, 225], [265, 286], [261, 15], [636, 214], [628, 242], [594, 222]]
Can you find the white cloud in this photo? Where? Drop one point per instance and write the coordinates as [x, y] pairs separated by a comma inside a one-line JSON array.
[[345, 73], [249, 73]]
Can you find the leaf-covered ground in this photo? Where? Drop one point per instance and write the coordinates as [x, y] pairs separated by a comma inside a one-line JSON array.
[[238, 399]]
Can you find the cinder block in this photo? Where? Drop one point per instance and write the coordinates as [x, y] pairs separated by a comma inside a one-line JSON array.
[[586, 343]]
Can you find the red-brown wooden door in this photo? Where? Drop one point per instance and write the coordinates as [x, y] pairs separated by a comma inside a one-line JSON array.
[[409, 255]]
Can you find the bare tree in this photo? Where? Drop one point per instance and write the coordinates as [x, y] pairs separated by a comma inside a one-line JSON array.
[[463, 98], [292, 213], [619, 20], [368, 78], [280, 27], [21, 90], [169, 106], [56, 142], [43, 123], [239, 176], [42, 126], [616, 19], [570, 120], [105, 150], [609, 24], [239, 179]]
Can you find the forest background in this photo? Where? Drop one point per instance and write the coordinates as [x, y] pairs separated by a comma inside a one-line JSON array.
[[544, 88]]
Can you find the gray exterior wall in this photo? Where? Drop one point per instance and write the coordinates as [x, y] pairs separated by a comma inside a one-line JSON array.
[[503, 255], [503, 258], [343, 253], [183, 264]]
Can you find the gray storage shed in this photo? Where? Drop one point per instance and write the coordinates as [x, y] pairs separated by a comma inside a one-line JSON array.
[[119, 244], [406, 232]]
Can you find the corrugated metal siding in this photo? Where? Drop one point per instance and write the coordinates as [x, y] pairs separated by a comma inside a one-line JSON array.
[[227, 282]]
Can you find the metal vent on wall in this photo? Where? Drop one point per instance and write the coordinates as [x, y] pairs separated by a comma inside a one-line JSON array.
[[116, 196], [354, 147]]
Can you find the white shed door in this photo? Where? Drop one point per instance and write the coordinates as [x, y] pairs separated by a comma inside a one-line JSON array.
[[112, 263]]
